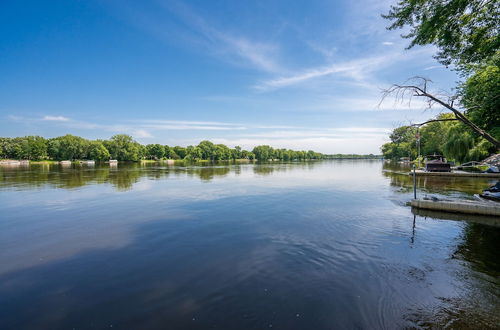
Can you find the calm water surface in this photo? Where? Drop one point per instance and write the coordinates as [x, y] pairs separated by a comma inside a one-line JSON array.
[[317, 245]]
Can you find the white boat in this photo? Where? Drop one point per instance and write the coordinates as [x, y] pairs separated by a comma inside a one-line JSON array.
[[65, 162], [10, 162]]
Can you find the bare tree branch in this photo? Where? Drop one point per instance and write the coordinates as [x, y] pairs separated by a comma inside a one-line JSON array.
[[434, 120], [419, 89]]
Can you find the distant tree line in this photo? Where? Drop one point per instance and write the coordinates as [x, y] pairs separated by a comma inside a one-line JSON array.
[[123, 148]]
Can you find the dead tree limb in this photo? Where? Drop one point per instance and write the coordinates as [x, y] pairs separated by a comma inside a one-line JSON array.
[[434, 120], [402, 92]]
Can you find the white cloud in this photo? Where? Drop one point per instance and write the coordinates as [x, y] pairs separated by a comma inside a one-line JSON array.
[[388, 43], [433, 67], [342, 132], [55, 118], [194, 30], [261, 55], [360, 145], [355, 69], [187, 122], [161, 124], [192, 127], [276, 127], [141, 133], [360, 71]]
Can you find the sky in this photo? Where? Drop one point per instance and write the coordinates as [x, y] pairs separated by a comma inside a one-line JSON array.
[[291, 74]]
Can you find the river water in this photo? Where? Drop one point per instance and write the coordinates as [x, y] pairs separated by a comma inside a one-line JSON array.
[[317, 245]]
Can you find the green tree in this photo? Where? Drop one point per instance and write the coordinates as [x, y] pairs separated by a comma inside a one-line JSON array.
[[180, 151], [403, 143], [221, 152], [168, 151], [236, 153], [30, 147], [67, 147], [207, 150], [193, 153], [481, 97], [458, 144], [155, 151], [263, 153], [97, 151], [123, 147], [465, 31]]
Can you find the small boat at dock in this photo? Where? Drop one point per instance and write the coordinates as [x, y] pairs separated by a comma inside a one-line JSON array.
[[492, 193], [437, 163]]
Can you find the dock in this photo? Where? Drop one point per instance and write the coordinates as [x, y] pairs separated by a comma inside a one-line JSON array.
[[475, 218], [456, 174], [463, 206]]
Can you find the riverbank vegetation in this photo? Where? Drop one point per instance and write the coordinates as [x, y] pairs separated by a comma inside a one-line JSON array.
[[124, 148], [466, 36], [449, 138]]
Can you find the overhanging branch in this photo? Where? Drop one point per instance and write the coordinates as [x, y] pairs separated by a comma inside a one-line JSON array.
[[401, 92]]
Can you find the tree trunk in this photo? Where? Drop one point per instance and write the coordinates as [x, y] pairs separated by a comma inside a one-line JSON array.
[[460, 116]]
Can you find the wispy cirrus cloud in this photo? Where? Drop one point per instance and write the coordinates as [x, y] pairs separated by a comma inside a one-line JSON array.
[[354, 132], [186, 122], [355, 70], [361, 70], [43, 118], [260, 55], [192, 127], [55, 118], [198, 31], [432, 67]]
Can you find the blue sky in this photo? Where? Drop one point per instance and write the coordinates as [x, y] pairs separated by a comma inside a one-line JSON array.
[[294, 74]]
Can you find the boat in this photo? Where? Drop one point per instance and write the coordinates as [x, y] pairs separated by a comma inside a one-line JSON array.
[[473, 167], [437, 163], [65, 162], [10, 162], [492, 193], [492, 169]]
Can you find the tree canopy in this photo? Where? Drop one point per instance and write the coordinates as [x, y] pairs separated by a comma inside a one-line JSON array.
[[467, 34], [448, 138], [480, 96], [465, 31]]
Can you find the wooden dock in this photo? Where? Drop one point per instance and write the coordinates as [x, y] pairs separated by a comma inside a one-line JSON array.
[[459, 206], [456, 174], [481, 219]]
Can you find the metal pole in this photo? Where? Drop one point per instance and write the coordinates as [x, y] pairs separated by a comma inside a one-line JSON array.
[[418, 146], [414, 182]]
